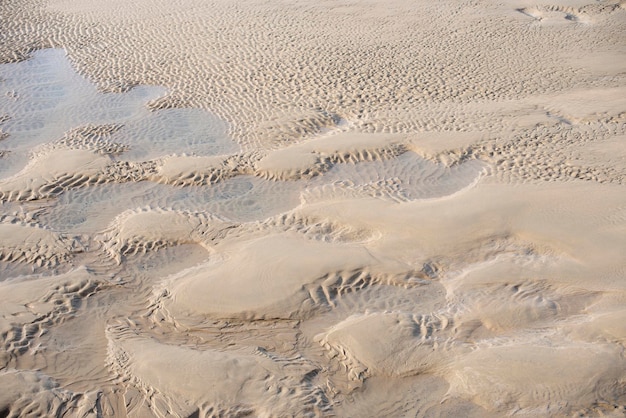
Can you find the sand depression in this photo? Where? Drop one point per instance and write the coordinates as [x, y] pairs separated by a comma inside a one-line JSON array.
[[289, 208]]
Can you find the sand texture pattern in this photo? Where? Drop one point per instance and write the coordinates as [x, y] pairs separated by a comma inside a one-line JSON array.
[[286, 208]]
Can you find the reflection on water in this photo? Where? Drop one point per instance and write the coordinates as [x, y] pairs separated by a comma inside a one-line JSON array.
[[43, 98]]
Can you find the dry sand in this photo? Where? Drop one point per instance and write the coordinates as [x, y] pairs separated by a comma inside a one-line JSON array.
[[291, 208]]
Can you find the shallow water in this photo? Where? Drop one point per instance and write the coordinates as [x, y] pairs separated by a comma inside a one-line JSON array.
[[43, 98]]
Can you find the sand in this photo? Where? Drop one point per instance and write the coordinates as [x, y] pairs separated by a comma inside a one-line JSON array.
[[287, 208]]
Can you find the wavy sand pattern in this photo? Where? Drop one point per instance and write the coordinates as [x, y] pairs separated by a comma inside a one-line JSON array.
[[333, 208]]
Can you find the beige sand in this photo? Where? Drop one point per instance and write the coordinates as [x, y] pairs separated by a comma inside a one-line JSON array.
[[333, 208]]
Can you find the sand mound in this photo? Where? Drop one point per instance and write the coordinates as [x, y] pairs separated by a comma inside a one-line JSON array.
[[142, 230], [217, 383], [318, 155], [34, 245], [389, 344], [519, 377], [275, 277]]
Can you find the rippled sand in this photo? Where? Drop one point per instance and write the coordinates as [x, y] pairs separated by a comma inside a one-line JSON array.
[[288, 208]]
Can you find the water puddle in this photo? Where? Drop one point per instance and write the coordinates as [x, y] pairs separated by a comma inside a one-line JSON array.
[[43, 98]]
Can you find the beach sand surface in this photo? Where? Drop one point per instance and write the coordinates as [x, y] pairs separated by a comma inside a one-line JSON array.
[[290, 208]]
